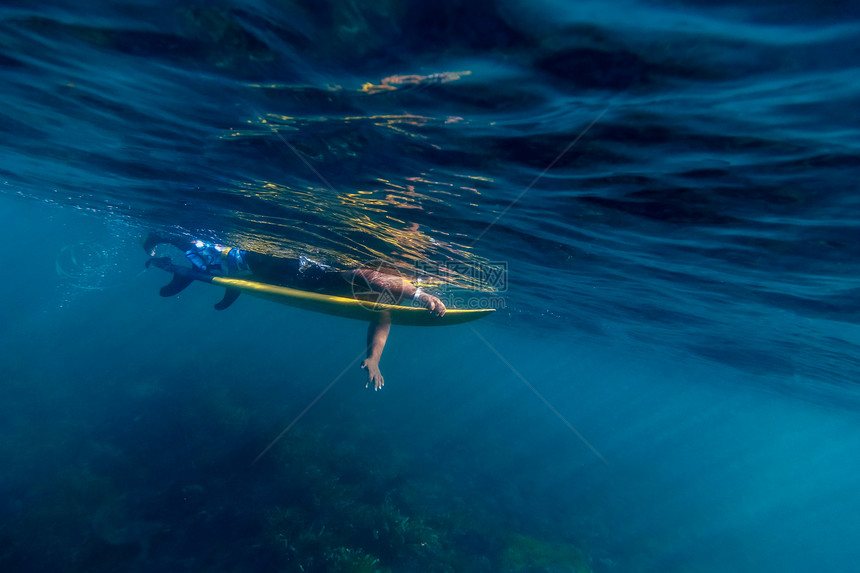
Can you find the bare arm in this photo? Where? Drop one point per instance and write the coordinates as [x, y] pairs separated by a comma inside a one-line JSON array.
[[399, 289], [377, 335]]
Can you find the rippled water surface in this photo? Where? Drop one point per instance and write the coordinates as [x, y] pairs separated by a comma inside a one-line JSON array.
[[662, 194]]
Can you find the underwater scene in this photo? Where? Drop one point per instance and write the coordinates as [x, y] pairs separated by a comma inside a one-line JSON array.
[[640, 219]]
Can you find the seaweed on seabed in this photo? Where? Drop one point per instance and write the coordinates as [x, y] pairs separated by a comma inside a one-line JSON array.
[[334, 518], [350, 560], [400, 534], [526, 554], [296, 541], [76, 521], [353, 539]]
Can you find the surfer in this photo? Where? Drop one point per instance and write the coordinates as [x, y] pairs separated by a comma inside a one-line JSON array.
[[303, 274]]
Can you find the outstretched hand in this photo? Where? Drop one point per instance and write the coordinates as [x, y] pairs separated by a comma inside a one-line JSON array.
[[374, 376]]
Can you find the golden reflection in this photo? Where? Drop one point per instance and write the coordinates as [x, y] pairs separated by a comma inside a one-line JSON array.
[[353, 228], [274, 123], [385, 220], [392, 83], [389, 84]]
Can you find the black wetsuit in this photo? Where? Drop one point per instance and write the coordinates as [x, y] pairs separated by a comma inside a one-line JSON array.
[[301, 273]]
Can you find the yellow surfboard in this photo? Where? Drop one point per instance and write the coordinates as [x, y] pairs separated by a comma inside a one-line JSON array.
[[323, 303]]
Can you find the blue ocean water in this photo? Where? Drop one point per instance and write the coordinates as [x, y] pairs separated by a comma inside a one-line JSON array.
[[658, 197]]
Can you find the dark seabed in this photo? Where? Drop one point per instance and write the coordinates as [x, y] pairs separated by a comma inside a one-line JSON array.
[[662, 195]]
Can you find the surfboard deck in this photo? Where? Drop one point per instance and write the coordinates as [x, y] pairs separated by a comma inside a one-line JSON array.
[[313, 301]]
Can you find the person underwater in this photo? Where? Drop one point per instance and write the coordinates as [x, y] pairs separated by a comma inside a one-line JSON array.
[[299, 273]]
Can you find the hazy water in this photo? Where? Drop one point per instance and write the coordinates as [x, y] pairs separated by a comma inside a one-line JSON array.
[[669, 186]]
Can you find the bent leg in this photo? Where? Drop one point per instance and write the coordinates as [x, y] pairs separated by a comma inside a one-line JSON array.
[[154, 239]]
